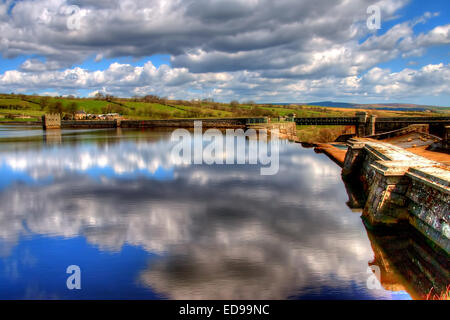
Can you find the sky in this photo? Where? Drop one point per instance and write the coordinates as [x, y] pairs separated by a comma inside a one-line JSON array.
[[261, 50]]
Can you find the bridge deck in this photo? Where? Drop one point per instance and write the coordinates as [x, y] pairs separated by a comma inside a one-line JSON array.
[[355, 120], [327, 121]]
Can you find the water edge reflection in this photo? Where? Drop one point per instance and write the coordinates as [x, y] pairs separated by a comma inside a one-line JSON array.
[[180, 232]]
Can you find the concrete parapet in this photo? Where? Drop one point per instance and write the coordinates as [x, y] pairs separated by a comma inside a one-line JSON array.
[[402, 186], [353, 157], [419, 128]]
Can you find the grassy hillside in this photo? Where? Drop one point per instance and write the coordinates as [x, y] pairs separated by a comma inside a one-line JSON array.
[[153, 107]]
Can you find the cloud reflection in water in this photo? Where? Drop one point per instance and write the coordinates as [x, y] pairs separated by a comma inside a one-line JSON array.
[[220, 232]]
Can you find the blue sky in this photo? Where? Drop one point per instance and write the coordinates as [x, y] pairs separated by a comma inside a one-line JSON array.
[[284, 51], [412, 11]]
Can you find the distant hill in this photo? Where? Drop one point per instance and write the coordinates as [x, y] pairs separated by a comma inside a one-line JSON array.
[[379, 106], [334, 104]]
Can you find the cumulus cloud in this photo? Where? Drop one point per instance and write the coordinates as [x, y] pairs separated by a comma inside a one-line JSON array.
[[431, 79], [36, 65], [254, 49], [306, 242], [142, 28], [126, 80]]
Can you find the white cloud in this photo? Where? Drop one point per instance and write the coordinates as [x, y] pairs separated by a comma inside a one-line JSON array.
[[209, 235], [127, 80], [251, 49]]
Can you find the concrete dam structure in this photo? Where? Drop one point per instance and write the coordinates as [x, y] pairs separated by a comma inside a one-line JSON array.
[[53, 121], [400, 186], [365, 125]]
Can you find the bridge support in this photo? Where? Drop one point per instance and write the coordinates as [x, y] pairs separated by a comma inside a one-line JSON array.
[[361, 124], [370, 125], [365, 125]]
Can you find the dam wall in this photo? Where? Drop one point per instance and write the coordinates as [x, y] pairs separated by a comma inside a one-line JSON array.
[[189, 123], [399, 187], [88, 124], [365, 124], [286, 130], [172, 123]]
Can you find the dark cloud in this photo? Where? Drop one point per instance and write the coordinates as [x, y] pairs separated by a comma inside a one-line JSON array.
[[257, 49]]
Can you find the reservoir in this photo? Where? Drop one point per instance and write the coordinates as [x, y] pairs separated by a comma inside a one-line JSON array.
[[142, 226]]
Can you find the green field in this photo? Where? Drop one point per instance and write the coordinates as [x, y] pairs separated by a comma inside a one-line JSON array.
[[152, 107], [322, 133]]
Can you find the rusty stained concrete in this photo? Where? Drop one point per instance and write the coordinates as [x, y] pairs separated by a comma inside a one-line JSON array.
[[402, 186]]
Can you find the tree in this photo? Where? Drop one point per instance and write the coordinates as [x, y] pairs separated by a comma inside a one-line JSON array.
[[234, 105], [109, 97], [56, 107], [107, 109], [163, 100], [152, 98], [72, 108], [44, 102], [99, 96]]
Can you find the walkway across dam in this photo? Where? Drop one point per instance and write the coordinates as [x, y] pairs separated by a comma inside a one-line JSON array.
[[365, 125], [51, 121]]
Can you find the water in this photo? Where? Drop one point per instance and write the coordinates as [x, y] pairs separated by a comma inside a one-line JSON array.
[[339, 146], [142, 227]]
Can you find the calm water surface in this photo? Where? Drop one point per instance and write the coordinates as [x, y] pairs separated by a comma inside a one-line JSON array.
[[142, 227]]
